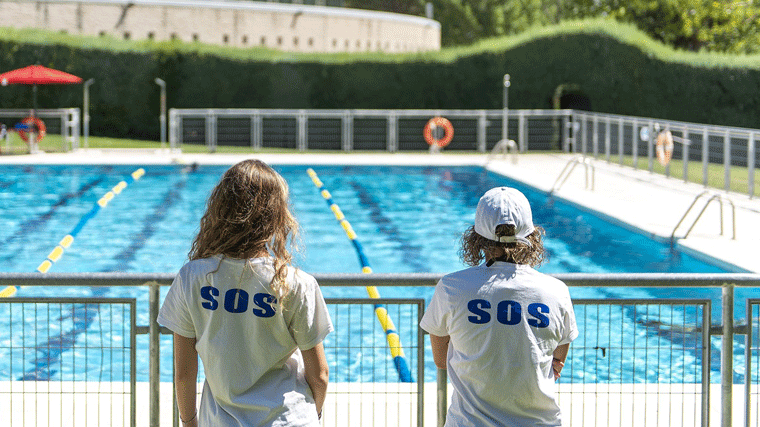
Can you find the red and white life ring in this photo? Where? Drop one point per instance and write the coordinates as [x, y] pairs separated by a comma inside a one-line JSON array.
[[664, 147], [30, 122], [434, 123]]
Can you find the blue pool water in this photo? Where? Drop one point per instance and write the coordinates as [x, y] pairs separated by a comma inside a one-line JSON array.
[[408, 219]]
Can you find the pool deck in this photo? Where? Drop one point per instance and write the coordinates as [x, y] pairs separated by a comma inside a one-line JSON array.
[[647, 202]]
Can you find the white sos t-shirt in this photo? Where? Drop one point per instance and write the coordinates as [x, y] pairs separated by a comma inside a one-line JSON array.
[[504, 323], [249, 346]]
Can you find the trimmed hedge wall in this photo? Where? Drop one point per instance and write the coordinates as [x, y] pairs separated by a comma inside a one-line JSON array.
[[617, 67]]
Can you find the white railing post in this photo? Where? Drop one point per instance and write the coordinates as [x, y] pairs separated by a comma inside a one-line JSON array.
[[155, 356], [727, 160], [727, 355], [482, 126], [751, 165]]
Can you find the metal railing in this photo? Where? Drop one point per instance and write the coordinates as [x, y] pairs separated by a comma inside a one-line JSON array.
[[350, 130], [59, 121], [664, 318], [591, 134], [54, 375], [608, 136]]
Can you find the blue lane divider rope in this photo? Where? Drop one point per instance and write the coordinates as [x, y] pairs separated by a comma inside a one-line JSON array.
[[394, 342], [68, 239]]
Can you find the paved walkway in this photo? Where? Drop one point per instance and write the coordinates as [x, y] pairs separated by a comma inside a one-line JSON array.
[[648, 202]]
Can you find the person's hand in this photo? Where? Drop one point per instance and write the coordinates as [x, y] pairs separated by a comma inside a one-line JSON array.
[[557, 366]]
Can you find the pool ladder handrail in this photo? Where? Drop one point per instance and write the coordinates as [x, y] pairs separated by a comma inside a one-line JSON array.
[[589, 169], [713, 196]]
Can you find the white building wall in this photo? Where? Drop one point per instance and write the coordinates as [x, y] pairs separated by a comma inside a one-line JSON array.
[[288, 27]]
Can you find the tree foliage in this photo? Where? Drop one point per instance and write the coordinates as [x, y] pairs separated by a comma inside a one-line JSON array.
[[731, 26]]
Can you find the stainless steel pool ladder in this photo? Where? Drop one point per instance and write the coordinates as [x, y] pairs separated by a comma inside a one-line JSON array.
[[712, 196], [589, 169], [504, 147]]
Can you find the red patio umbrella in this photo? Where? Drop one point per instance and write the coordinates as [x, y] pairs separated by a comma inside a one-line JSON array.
[[37, 75]]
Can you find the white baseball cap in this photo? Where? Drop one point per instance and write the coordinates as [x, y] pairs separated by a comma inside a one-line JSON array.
[[504, 205]]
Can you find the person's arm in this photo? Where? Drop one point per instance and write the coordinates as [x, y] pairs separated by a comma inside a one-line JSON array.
[[317, 374], [560, 355], [440, 347], [185, 379]]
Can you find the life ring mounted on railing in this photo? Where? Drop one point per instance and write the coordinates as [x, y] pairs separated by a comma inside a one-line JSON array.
[[29, 125], [432, 125], [664, 147]]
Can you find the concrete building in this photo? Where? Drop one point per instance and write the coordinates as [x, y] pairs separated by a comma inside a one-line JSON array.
[[288, 27]]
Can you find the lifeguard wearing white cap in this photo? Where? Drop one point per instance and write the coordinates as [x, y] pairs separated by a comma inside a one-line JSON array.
[[504, 206]]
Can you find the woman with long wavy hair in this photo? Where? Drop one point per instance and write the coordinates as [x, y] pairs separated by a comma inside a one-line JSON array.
[[256, 321]]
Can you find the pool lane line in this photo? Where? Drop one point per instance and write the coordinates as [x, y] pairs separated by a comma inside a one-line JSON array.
[[34, 223], [68, 239], [412, 254], [83, 315], [170, 198], [394, 341]]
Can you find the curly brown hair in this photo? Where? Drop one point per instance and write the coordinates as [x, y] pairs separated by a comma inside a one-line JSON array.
[[248, 215], [476, 248]]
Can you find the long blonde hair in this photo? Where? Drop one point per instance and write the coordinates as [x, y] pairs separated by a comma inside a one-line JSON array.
[[248, 215]]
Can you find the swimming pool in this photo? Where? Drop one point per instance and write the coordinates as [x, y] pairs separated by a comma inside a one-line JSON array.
[[408, 219]]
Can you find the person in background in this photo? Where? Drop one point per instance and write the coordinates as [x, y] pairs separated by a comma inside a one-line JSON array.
[[256, 322], [500, 328]]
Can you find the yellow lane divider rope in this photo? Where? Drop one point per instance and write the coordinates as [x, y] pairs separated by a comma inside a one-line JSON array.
[[394, 342], [68, 239]]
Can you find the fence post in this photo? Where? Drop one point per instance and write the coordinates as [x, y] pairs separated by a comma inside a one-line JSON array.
[[727, 161], [727, 356], [522, 126], [685, 152], [650, 146], [621, 135], [705, 155], [392, 143], [751, 165], [257, 131], [635, 144], [482, 126], [154, 347], [595, 136], [173, 128], [607, 140], [302, 136], [443, 396]]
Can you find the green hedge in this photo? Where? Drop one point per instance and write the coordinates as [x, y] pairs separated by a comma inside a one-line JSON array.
[[617, 67]]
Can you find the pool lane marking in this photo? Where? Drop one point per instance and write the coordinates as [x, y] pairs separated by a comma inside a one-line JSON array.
[[149, 227], [35, 223], [83, 316], [412, 254], [394, 341], [68, 239]]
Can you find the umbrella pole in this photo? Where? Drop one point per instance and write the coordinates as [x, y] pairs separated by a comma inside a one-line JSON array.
[[33, 134]]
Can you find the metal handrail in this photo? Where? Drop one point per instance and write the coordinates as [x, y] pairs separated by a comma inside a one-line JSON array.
[[713, 196], [727, 282], [589, 169], [504, 147]]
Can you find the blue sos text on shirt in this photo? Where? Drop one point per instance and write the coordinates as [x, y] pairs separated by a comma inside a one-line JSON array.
[[237, 301], [508, 313]]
